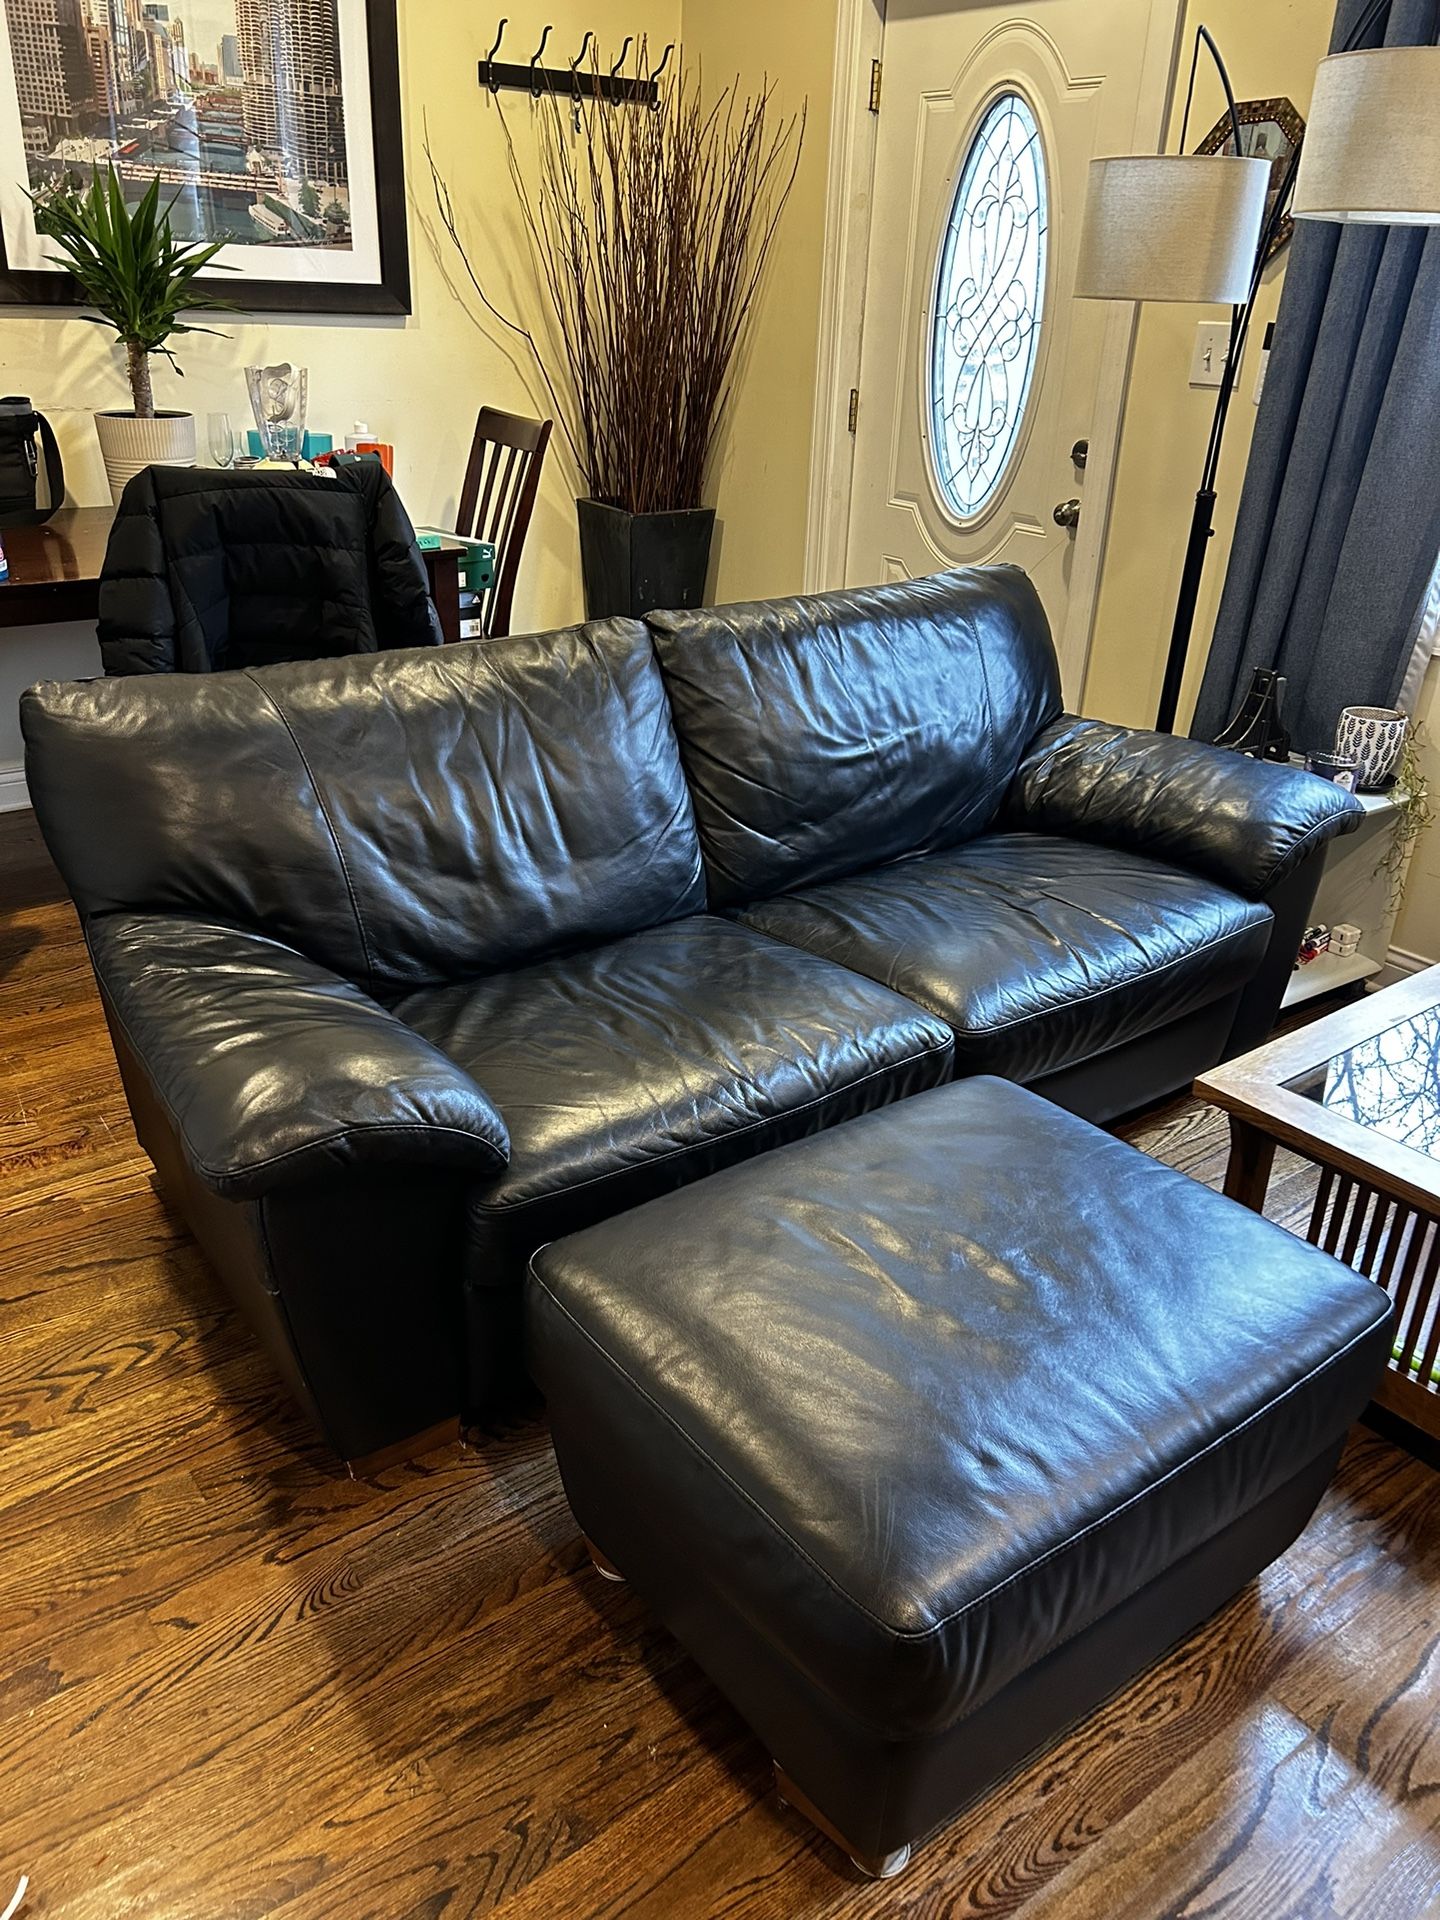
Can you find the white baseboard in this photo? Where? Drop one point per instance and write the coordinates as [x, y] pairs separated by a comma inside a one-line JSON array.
[[1400, 961], [14, 793]]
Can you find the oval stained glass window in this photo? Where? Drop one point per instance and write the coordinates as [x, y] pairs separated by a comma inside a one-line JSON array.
[[988, 308]]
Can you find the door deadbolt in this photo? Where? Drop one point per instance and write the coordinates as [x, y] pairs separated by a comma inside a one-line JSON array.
[[1079, 454], [1067, 513]]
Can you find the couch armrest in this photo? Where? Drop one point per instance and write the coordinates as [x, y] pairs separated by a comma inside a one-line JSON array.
[[275, 1071], [1246, 823]]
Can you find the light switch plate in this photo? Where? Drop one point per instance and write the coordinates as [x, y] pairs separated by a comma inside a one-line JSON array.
[[1207, 363]]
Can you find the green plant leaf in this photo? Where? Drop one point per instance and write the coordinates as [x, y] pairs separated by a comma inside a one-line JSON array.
[[127, 262]]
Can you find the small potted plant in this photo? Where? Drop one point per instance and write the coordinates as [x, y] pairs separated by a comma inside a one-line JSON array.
[[140, 278]]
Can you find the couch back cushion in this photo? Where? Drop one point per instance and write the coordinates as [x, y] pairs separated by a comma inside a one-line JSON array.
[[403, 817], [829, 734]]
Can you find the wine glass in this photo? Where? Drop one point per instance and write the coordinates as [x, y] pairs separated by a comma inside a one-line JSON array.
[[223, 447]]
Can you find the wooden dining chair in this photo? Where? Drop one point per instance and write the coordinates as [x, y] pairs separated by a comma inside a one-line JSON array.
[[497, 500]]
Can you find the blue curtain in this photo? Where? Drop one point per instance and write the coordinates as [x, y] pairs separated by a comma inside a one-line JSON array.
[[1339, 526]]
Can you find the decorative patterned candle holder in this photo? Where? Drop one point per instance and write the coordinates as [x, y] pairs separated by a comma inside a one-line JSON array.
[[1373, 737]]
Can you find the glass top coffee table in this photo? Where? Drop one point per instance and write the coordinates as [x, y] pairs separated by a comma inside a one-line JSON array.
[[1359, 1094]]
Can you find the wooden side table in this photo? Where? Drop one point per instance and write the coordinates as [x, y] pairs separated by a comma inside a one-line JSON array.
[[1358, 1093]]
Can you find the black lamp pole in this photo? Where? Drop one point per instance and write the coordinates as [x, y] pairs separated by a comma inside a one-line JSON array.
[[1202, 520], [1203, 517]]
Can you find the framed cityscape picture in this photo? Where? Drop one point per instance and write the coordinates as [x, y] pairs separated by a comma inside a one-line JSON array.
[[272, 125]]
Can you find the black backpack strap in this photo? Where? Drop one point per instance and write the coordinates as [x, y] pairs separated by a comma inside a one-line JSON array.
[[54, 467], [54, 471]]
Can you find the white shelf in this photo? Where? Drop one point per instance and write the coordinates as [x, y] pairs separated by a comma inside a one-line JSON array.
[[1381, 802], [1327, 973]]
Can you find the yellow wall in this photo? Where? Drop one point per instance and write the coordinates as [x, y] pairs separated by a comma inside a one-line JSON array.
[[419, 381], [761, 479], [1271, 47]]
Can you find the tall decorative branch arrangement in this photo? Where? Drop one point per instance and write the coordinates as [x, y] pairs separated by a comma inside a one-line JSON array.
[[650, 230]]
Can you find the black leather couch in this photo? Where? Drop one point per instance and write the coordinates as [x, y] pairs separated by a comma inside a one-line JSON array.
[[416, 961]]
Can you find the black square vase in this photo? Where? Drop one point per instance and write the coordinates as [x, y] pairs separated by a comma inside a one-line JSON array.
[[636, 563]]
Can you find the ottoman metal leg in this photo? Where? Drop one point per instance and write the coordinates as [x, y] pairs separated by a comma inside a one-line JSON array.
[[606, 1569], [883, 1866]]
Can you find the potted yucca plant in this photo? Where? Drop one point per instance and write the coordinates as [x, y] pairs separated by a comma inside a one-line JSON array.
[[140, 279]]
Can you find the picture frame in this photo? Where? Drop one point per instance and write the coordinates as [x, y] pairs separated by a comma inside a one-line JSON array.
[[240, 155], [1269, 130]]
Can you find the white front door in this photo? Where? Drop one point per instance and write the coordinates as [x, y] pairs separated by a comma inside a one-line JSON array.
[[980, 374]]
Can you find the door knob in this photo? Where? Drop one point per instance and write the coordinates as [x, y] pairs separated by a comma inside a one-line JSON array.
[[1067, 513]]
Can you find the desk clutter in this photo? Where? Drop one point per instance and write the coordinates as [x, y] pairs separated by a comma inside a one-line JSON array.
[[1342, 940], [471, 570], [58, 561], [280, 404], [475, 573]]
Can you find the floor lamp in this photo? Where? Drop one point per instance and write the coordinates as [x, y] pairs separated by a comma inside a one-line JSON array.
[[1194, 227]]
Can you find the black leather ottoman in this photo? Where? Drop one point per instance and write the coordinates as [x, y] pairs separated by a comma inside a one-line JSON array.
[[926, 1434]]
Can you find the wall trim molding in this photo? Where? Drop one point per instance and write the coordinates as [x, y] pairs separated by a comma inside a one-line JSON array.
[[1401, 960], [14, 794], [859, 37]]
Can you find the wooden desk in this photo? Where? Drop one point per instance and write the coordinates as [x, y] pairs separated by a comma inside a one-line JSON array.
[[55, 571], [55, 567]]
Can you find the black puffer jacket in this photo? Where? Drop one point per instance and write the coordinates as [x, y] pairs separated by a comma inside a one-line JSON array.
[[207, 570]]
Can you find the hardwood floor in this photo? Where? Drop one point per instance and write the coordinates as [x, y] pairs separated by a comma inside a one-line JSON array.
[[235, 1685]]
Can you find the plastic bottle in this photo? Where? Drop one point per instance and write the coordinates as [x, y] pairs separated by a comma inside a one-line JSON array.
[[361, 440]]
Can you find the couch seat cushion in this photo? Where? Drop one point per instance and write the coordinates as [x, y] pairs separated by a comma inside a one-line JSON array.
[[631, 1068], [1038, 951]]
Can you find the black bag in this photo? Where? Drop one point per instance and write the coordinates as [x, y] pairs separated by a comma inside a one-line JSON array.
[[20, 463]]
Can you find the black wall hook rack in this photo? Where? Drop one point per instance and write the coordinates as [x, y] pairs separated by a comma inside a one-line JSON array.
[[573, 80]]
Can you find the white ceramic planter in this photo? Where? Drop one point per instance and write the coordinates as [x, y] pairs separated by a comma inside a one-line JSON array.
[[128, 443], [1373, 737]]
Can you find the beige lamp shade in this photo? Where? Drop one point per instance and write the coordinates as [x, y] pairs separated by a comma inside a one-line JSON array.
[[1372, 148], [1171, 226]]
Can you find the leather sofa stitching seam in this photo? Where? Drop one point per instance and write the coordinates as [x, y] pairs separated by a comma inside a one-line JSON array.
[[919, 1635], [231, 1176], [698, 1146], [1084, 1626], [325, 810], [989, 699], [282, 1307], [1181, 1466], [1116, 986], [1281, 861]]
